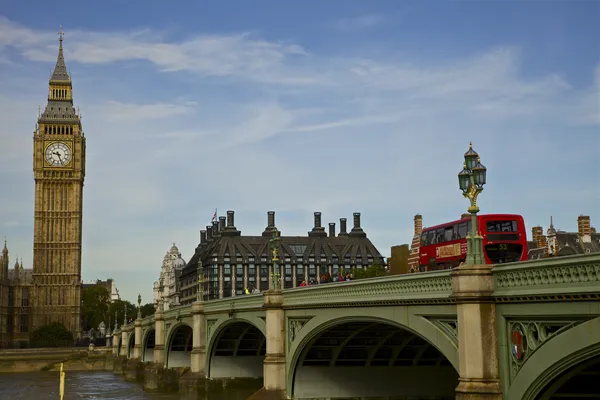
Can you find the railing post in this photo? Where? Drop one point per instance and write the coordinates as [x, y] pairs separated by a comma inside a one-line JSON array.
[[473, 288], [159, 337], [137, 347], [274, 363], [198, 359]]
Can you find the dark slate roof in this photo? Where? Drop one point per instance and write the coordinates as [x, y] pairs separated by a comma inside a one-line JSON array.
[[569, 243], [60, 74], [240, 248], [57, 110]]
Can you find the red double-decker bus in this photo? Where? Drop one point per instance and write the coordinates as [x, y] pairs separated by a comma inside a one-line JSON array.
[[445, 246]]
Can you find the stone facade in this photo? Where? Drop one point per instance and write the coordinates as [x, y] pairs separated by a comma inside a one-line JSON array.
[[15, 301], [413, 258], [560, 243], [169, 274]]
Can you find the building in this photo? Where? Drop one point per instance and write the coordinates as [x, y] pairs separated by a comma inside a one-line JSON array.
[[170, 272], [398, 261], [232, 262], [51, 291], [108, 284], [15, 302], [415, 246], [560, 243]]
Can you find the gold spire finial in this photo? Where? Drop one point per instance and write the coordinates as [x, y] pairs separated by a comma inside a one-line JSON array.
[[470, 145], [60, 35]]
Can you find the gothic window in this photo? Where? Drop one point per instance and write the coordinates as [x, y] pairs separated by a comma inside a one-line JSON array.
[[11, 297], [23, 323], [25, 297]]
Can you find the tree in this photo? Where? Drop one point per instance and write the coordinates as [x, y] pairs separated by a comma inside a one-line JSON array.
[[51, 335], [95, 304], [147, 309], [370, 272], [118, 307]]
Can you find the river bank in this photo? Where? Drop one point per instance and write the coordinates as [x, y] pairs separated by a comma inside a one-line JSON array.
[[49, 359]]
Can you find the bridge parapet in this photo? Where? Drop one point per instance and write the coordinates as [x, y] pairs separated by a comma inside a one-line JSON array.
[[562, 278], [423, 288], [245, 302]]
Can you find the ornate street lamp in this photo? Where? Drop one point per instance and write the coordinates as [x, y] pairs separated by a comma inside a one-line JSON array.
[[116, 322], [471, 180], [124, 314], [161, 287], [200, 290], [139, 314], [275, 283]]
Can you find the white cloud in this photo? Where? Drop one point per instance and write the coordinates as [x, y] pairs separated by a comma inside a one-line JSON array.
[[293, 132]]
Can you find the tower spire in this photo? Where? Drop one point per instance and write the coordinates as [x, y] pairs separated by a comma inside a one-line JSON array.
[[60, 73]]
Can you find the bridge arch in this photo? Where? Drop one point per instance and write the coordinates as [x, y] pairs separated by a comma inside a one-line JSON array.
[[236, 348], [559, 359], [325, 354], [179, 346], [148, 343], [130, 344]]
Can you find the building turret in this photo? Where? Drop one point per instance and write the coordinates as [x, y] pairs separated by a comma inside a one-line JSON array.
[[4, 262]]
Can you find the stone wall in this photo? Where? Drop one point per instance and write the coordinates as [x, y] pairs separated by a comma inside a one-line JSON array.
[[73, 359]]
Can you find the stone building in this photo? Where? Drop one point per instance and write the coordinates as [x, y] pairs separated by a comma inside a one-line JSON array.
[[15, 301], [560, 243], [108, 284], [232, 262], [415, 246], [170, 272]]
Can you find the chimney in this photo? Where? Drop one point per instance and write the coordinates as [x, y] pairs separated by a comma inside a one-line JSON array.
[[230, 220], [343, 231], [537, 235], [418, 224], [271, 219], [317, 230], [356, 221], [221, 224], [215, 229], [202, 236], [317, 220], [209, 233], [583, 225], [356, 229], [332, 229]]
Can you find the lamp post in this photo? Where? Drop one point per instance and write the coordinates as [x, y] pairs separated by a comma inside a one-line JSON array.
[[116, 321], [275, 270], [124, 314], [471, 180], [161, 287], [200, 290]]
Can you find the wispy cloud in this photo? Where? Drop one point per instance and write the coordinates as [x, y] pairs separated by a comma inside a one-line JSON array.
[[272, 125]]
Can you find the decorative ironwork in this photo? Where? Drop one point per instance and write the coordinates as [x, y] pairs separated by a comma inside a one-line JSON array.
[[209, 326], [294, 326], [275, 276], [526, 337], [447, 325]]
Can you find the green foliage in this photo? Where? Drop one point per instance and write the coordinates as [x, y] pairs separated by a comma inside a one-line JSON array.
[[370, 272], [147, 309], [95, 305], [118, 307], [51, 335]]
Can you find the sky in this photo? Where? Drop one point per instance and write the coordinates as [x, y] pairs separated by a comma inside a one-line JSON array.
[[331, 106]]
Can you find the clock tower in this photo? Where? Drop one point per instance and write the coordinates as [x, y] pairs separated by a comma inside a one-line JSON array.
[[59, 171]]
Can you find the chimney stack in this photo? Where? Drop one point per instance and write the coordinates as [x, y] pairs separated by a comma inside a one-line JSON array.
[[215, 228], [343, 231], [271, 219], [356, 229], [332, 229], [583, 225], [418, 224], [318, 230], [317, 220], [230, 220], [209, 233], [537, 235], [202, 236], [221, 224]]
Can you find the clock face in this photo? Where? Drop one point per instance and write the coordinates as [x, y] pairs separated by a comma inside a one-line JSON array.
[[58, 154]]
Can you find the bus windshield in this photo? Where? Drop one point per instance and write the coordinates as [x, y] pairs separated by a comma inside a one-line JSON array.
[[501, 226]]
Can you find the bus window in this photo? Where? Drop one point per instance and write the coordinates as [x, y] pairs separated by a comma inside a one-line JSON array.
[[501, 226], [448, 234], [462, 230], [424, 239], [431, 237], [440, 235]]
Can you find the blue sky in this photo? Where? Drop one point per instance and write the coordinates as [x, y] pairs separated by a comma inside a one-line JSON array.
[[330, 106]]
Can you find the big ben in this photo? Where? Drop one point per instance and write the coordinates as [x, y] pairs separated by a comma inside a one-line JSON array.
[[59, 172]]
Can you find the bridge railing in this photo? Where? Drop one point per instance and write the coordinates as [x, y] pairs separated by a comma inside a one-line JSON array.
[[243, 302], [427, 287], [549, 278]]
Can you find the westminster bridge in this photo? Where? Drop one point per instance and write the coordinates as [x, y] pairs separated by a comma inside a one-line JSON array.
[[521, 331]]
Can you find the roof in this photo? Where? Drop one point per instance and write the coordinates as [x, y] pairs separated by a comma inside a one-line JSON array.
[[569, 243], [60, 74], [25, 275]]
